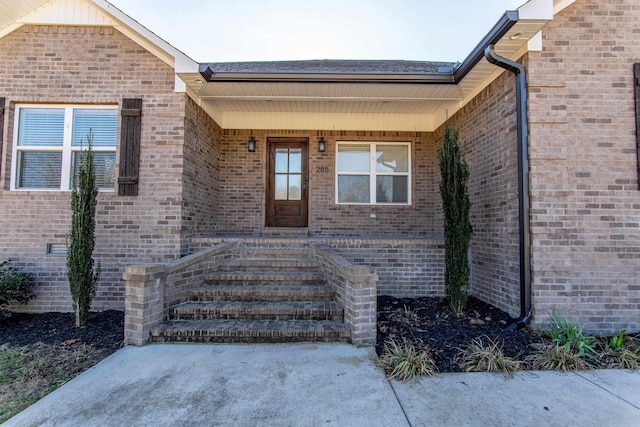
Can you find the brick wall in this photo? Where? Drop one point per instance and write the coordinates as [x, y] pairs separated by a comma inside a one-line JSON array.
[[243, 177], [201, 174], [487, 136], [584, 187], [406, 267], [94, 65]]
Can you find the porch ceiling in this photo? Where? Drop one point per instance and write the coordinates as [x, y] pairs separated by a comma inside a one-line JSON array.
[[393, 102]]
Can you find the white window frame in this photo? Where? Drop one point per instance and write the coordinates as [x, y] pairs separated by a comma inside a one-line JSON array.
[[67, 149], [373, 173]]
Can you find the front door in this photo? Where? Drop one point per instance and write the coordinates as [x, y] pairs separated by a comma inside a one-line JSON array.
[[287, 182]]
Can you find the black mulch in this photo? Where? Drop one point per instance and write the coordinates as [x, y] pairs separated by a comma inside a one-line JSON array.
[[104, 330], [428, 322]]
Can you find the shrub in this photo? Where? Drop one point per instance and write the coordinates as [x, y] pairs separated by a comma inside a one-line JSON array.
[[15, 285], [486, 355], [404, 361], [619, 352], [571, 337], [83, 278], [457, 228]]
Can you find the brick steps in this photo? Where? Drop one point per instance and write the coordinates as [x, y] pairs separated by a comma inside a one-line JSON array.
[[265, 278], [274, 293], [250, 331], [267, 310], [269, 264], [240, 292]]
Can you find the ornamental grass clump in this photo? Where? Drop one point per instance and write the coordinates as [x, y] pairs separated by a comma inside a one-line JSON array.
[[402, 361], [486, 355], [457, 227], [83, 278]]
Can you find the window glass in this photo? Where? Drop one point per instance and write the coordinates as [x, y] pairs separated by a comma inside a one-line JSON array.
[[102, 123], [281, 187], [385, 181], [353, 189], [353, 158], [392, 158], [47, 157], [104, 167], [391, 189], [282, 160], [41, 127], [294, 187], [295, 160], [39, 169]]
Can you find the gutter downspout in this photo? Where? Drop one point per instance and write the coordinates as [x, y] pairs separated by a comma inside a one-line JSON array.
[[523, 183]]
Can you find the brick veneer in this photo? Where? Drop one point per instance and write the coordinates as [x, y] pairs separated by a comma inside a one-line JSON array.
[[487, 135], [406, 267], [94, 65], [243, 175], [585, 201]]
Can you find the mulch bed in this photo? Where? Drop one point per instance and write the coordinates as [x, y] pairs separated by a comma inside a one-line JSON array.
[[104, 330], [428, 322]]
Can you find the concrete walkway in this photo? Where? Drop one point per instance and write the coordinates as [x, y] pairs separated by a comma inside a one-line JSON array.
[[325, 384]]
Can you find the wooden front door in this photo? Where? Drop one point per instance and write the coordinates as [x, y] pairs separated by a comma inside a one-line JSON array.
[[287, 182]]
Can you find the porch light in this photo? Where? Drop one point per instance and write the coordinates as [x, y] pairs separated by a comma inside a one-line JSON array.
[[252, 144], [321, 145]]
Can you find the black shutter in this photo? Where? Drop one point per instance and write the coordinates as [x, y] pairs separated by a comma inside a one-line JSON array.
[[2, 101], [129, 147], [636, 85]]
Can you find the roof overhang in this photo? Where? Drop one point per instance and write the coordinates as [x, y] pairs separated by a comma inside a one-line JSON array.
[[364, 101], [377, 101]]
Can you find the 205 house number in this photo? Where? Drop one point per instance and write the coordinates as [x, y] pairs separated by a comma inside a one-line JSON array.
[[323, 169]]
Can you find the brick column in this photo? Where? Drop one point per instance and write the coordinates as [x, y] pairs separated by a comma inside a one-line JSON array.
[[360, 305], [144, 301]]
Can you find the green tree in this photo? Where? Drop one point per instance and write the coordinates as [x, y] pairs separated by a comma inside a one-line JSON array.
[[457, 228], [83, 277]]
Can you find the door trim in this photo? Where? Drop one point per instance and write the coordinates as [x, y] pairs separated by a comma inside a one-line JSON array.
[[271, 218]]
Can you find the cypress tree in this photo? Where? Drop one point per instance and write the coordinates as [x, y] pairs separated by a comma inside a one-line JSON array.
[[457, 228], [83, 277]]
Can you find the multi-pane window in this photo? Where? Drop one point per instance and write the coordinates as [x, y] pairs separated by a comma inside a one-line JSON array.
[[49, 141], [373, 173], [288, 173]]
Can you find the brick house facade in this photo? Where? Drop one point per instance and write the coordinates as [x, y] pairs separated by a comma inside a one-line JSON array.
[[197, 177]]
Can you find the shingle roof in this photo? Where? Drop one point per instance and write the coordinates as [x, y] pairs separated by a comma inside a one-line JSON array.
[[330, 66]]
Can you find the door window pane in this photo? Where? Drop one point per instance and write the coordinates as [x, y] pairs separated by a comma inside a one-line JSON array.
[[282, 160], [281, 186], [295, 160], [39, 169], [353, 189], [294, 187]]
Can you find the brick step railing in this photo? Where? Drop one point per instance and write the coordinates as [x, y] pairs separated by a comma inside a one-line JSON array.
[[260, 294]]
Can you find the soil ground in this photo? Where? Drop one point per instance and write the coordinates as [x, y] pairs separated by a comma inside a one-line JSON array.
[[428, 322], [104, 330], [40, 352]]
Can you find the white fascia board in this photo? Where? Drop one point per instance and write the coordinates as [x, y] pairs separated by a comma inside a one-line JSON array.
[[536, 10], [535, 43]]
